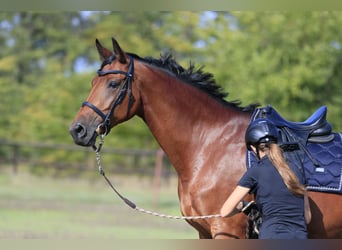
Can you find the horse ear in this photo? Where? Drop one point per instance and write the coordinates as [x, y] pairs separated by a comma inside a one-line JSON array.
[[118, 51], [103, 52]]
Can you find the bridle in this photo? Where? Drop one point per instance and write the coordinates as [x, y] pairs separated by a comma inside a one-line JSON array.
[[126, 88]]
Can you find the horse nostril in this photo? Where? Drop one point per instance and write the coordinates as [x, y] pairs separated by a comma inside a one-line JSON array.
[[80, 129]]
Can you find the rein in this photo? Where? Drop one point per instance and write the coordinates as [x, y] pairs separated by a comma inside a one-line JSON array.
[[132, 204]]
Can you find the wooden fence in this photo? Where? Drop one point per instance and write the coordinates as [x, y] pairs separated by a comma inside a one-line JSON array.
[[79, 159]]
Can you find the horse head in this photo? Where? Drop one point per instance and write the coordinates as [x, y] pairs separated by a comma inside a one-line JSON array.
[[112, 99]]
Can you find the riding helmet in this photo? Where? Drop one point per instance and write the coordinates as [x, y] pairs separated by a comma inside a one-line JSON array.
[[261, 131]]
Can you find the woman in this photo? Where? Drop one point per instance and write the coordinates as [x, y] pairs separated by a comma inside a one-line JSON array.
[[280, 195]]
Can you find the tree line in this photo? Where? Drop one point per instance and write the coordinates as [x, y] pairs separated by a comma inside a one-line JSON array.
[[291, 60]]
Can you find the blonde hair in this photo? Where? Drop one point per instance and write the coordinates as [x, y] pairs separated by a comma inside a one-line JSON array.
[[275, 155]]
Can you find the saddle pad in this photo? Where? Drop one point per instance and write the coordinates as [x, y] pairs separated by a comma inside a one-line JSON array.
[[327, 177]]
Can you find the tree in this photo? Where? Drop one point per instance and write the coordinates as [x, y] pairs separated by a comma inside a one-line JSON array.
[[289, 60], [34, 48]]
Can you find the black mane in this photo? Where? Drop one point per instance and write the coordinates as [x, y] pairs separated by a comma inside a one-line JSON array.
[[196, 77]]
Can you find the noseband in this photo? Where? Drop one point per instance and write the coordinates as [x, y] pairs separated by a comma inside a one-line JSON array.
[[127, 87]]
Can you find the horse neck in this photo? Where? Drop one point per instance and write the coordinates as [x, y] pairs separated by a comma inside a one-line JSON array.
[[183, 119]]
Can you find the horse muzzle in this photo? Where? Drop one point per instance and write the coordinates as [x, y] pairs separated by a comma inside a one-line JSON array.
[[83, 135]]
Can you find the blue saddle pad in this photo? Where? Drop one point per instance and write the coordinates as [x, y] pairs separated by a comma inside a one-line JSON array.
[[327, 177]]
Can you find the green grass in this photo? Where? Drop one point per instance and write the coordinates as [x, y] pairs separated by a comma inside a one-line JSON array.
[[68, 208]]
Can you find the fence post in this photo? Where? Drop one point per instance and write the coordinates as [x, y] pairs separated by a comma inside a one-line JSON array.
[[157, 175], [15, 158]]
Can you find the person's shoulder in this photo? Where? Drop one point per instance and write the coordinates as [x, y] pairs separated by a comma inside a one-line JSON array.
[[263, 162], [263, 166]]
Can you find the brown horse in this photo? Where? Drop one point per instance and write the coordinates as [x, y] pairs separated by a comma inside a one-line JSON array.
[[201, 133]]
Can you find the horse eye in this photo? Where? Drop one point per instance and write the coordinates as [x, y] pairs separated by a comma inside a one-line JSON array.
[[113, 84]]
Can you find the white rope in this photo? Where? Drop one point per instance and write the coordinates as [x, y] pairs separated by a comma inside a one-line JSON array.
[[132, 205], [177, 217]]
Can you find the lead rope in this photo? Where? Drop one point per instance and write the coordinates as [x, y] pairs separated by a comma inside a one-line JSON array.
[[132, 204]]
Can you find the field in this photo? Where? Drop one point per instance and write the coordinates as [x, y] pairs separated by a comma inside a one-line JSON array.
[[42, 207]]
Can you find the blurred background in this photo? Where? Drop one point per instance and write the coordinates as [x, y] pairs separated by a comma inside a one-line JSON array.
[[50, 188]]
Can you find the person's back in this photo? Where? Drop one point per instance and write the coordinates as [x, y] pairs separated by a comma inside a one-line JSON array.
[[282, 211]]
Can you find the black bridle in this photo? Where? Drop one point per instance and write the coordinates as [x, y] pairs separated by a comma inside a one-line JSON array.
[[126, 87]]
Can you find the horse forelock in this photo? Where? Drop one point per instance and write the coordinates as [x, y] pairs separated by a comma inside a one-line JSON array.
[[194, 76], [107, 61]]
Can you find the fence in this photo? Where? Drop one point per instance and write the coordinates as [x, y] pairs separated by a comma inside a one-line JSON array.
[[75, 159]]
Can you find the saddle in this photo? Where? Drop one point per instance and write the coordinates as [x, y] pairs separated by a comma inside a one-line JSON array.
[[314, 129], [310, 145]]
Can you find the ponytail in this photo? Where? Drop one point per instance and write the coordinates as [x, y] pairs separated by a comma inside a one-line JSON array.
[[290, 179]]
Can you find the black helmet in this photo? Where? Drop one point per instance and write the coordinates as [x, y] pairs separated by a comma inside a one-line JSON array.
[[261, 131]]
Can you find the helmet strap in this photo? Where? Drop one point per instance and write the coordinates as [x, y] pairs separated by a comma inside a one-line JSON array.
[[257, 152]]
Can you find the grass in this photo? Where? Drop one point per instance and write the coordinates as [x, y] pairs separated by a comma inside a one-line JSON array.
[[42, 207]]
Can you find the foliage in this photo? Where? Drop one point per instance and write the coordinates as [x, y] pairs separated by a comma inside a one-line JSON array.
[[291, 60]]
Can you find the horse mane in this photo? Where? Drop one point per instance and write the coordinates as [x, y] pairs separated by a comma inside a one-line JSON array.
[[196, 77]]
